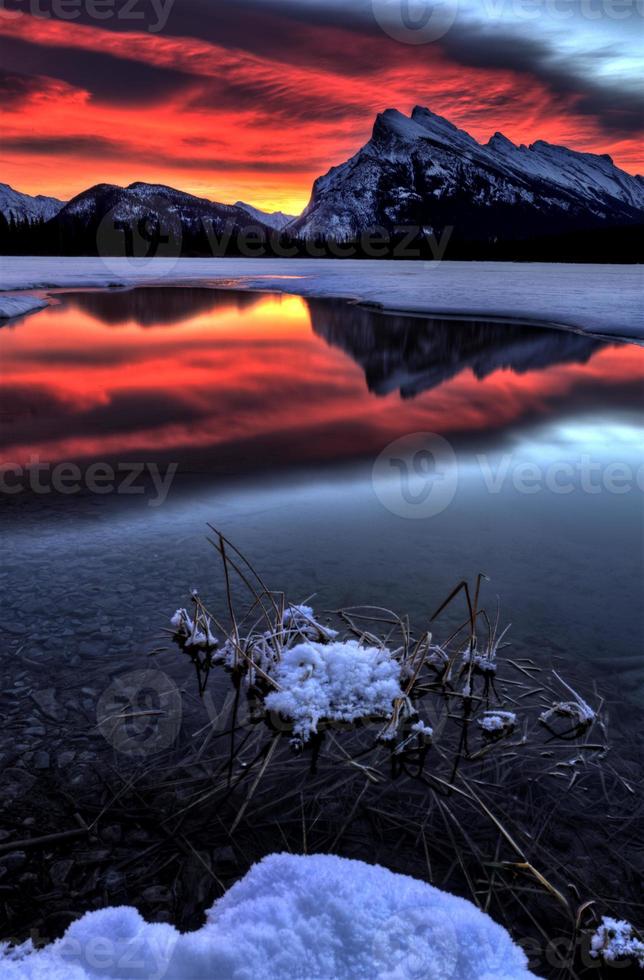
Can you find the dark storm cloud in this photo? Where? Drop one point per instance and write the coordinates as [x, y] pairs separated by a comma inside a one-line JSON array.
[[105, 77], [16, 89], [65, 145], [266, 31], [616, 108], [346, 38]]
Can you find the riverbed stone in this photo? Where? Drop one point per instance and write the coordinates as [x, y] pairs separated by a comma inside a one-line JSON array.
[[48, 702]]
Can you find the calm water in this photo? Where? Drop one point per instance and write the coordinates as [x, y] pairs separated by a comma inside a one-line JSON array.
[[274, 410]]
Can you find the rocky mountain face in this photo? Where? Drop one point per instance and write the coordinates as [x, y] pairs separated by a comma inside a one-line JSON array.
[[423, 171], [417, 175], [24, 207], [150, 219], [274, 219]]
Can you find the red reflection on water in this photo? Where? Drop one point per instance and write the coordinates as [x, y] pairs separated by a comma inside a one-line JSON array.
[[168, 372]]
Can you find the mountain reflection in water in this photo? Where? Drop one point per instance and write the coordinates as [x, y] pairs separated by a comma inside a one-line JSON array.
[[229, 380], [414, 355]]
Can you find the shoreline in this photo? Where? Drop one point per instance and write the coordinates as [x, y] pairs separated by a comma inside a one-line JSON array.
[[575, 298]]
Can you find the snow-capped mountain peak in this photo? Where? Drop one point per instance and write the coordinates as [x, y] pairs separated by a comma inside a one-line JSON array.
[[422, 170], [25, 207]]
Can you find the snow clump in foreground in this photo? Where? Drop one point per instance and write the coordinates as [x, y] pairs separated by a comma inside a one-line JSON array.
[[337, 681], [614, 940], [290, 918]]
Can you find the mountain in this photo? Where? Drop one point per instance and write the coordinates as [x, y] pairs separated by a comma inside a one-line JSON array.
[[149, 219], [420, 179], [411, 355], [274, 219], [24, 207], [423, 171]]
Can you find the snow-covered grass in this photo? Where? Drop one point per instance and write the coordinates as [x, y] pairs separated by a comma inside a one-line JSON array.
[[497, 722], [395, 697], [578, 296], [316, 917], [337, 681], [455, 771], [577, 715], [615, 939]]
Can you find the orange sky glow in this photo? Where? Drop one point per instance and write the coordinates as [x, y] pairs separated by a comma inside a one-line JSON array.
[[60, 138]]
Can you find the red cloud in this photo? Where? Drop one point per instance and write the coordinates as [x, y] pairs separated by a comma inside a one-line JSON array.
[[255, 127]]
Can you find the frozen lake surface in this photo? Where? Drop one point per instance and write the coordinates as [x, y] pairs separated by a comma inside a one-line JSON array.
[[600, 299], [275, 411]]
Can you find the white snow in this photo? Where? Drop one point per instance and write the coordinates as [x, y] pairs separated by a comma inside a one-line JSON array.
[[422, 729], [315, 917], [597, 299], [578, 710], [14, 306], [301, 620], [614, 940], [15, 204], [337, 681], [497, 722], [196, 633]]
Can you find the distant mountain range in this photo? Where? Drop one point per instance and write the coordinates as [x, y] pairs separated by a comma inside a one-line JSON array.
[[24, 207], [418, 179]]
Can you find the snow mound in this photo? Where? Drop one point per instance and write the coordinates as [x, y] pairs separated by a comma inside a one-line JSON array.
[[339, 681], [315, 917]]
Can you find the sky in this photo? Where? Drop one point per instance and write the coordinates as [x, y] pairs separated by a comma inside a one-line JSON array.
[[254, 99]]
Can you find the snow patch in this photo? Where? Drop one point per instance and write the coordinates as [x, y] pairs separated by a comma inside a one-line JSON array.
[[337, 681], [498, 722], [13, 306], [290, 918], [578, 296], [614, 940]]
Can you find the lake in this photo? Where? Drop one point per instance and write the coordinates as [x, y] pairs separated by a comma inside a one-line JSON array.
[[355, 458], [273, 410]]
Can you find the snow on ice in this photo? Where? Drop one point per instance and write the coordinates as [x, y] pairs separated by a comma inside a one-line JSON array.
[[581, 297]]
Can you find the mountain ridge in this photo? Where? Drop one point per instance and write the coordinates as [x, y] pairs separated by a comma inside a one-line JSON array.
[[423, 170], [418, 173]]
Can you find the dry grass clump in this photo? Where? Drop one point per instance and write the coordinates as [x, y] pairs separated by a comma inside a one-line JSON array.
[[469, 778]]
